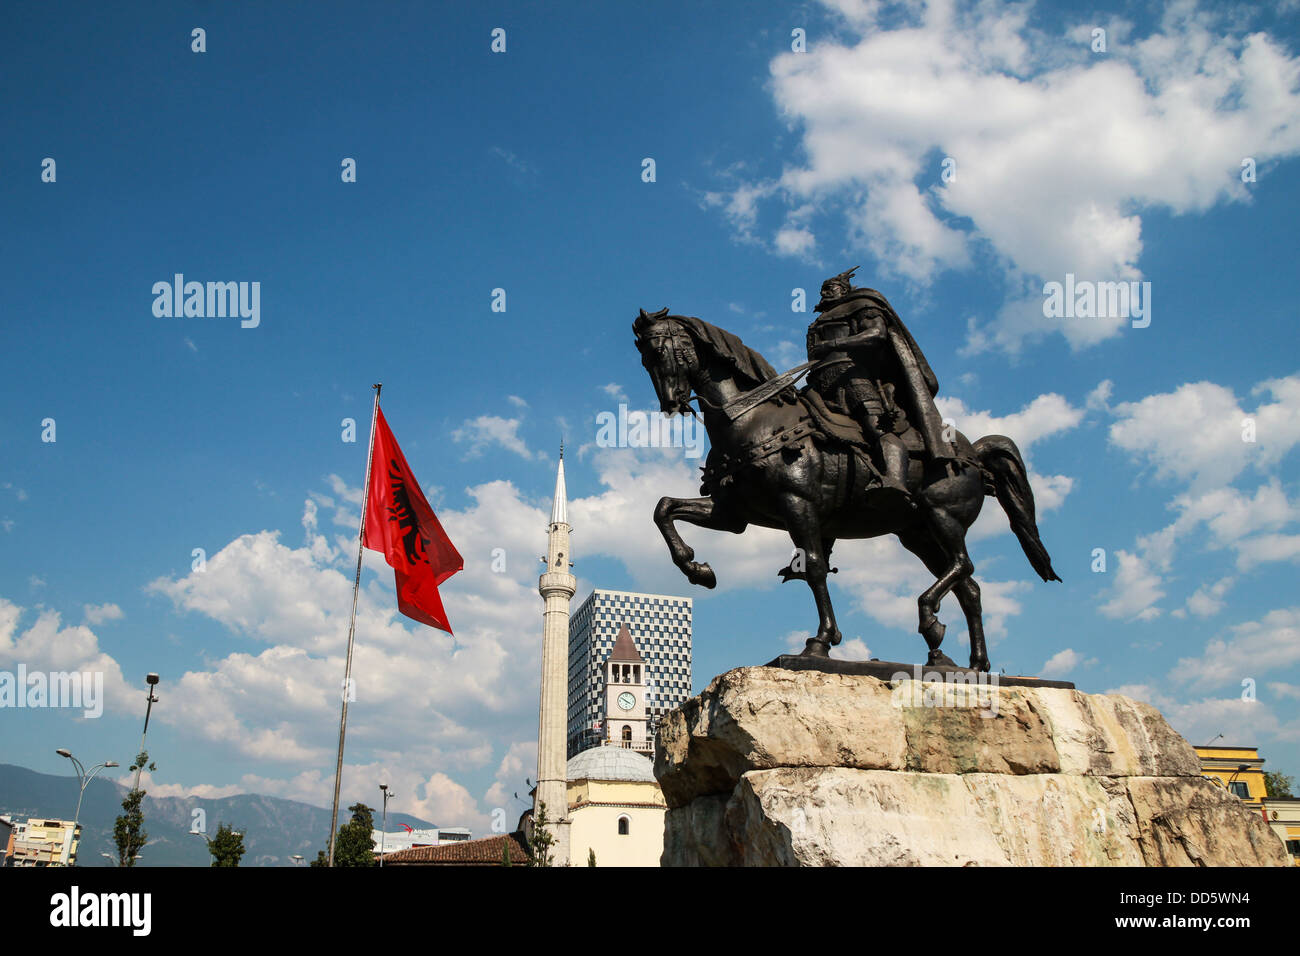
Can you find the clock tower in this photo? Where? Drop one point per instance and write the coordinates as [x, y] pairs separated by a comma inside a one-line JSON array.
[[625, 709]]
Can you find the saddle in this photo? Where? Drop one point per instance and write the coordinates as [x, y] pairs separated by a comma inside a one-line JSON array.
[[817, 419]]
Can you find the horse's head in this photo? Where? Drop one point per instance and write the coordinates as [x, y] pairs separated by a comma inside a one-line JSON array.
[[668, 354]]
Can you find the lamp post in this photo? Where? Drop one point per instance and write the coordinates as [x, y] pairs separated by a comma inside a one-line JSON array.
[[383, 831], [1234, 777], [84, 779], [297, 859], [152, 681]]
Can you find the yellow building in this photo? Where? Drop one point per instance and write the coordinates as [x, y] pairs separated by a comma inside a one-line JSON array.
[[1238, 769], [45, 843], [616, 808], [1283, 815], [1241, 770]]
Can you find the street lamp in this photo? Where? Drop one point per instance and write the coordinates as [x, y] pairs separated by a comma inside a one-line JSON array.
[[383, 832], [297, 859], [1234, 777], [84, 779], [152, 681]]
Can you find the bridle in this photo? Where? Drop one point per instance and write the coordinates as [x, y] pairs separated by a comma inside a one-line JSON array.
[[670, 357]]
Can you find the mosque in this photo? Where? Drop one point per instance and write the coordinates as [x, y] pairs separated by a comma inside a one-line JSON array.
[[603, 803]]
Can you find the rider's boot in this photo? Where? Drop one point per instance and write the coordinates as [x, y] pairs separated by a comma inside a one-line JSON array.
[[894, 479], [894, 453]]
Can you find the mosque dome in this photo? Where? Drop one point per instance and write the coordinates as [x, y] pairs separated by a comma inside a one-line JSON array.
[[611, 763]]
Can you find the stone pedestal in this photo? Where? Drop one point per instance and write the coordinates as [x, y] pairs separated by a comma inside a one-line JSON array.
[[774, 767]]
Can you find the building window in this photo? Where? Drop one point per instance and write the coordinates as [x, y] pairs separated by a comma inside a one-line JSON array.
[[624, 826], [1240, 789], [627, 734]]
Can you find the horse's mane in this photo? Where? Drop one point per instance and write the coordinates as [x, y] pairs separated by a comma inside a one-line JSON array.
[[728, 346]]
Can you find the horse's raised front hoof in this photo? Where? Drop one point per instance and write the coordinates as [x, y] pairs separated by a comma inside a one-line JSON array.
[[701, 574], [938, 658], [816, 648], [933, 631]]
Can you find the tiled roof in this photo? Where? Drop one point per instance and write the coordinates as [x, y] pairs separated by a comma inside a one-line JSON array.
[[484, 852], [624, 649]]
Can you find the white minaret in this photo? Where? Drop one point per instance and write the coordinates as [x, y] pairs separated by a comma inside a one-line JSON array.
[[557, 587]]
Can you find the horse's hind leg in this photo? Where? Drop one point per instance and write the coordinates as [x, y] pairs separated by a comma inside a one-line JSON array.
[[968, 596], [943, 550], [704, 512]]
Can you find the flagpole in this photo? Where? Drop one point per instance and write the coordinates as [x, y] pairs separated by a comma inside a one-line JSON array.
[[352, 628]]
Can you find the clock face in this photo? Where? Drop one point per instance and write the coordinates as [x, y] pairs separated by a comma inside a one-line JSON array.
[[626, 701]]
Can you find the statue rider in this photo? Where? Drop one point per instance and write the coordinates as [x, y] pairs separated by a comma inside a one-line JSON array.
[[871, 368]]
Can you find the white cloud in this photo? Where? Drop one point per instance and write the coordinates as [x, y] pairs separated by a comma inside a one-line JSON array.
[[1063, 662], [1136, 590], [99, 613], [1194, 434], [47, 645], [1099, 397], [1268, 547], [792, 241], [487, 430], [1208, 600], [1253, 649], [1200, 720], [1011, 105]]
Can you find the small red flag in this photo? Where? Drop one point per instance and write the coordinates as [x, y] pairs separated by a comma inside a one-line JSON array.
[[401, 525]]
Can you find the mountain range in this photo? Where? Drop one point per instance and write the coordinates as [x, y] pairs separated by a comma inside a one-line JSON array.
[[274, 828]]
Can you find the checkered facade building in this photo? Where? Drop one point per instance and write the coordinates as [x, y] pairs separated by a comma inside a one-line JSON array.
[[660, 626]]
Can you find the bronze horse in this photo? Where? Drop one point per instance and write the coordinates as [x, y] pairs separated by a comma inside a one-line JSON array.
[[773, 467]]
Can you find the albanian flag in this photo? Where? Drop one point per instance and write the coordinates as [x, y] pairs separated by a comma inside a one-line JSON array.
[[401, 525]]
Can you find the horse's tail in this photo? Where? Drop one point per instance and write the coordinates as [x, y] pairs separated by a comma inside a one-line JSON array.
[[1001, 461]]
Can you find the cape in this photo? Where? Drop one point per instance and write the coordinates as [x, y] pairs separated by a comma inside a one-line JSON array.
[[918, 378]]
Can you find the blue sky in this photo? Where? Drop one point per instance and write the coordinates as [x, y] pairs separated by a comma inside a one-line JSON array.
[[522, 171]]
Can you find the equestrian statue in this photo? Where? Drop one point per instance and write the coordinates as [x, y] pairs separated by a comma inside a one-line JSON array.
[[858, 452]]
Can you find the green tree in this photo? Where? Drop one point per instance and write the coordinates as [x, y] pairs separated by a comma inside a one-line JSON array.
[[541, 840], [227, 846], [1278, 784], [128, 830], [354, 845], [591, 856], [505, 854]]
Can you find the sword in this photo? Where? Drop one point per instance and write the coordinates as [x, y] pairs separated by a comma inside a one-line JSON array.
[[749, 400]]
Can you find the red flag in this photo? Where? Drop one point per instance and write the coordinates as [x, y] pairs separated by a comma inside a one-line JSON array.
[[401, 525]]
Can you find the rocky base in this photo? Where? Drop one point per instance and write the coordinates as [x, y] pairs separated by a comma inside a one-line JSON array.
[[772, 767]]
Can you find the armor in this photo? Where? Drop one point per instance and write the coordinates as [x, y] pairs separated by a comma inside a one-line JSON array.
[[870, 368]]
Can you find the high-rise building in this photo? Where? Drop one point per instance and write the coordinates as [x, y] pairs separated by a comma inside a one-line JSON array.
[[659, 626]]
